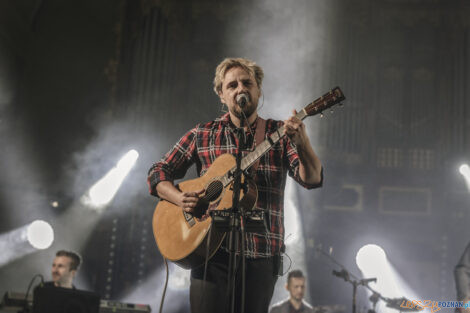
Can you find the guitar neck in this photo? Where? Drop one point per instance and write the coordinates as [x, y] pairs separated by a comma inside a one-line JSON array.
[[267, 144]]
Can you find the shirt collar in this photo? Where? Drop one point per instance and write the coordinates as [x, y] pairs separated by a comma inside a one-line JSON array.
[[301, 308], [225, 120]]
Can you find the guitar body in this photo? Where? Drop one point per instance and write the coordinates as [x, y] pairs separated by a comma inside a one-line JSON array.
[[181, 237]]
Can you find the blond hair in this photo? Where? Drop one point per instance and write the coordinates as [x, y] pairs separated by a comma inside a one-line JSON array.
[[251, 67]]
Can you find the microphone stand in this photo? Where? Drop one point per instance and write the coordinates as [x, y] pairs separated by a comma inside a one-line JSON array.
[[396, 303], [344, 274], [236, 219]]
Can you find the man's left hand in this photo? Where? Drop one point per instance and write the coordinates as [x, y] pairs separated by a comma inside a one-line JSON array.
[[295, 130]]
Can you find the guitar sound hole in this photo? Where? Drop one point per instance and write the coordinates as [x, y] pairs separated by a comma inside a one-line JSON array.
[[213, 191]]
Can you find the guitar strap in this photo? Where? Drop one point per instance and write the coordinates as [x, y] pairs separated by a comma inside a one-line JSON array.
[[259, 138]]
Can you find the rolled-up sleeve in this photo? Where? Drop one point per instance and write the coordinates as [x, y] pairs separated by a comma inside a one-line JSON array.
[[175, 163], [294, 163]]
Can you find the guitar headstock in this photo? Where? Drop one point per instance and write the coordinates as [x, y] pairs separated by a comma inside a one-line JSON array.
[[329, 99]]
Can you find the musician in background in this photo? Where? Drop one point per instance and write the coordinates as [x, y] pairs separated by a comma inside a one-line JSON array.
[[64, 268], [462, 278], [294, 304], [293, 154]]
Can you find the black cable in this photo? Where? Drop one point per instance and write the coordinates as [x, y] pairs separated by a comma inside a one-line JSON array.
[[25, 306], [290, 264], [231, 279], [164, 288], [206, 261]]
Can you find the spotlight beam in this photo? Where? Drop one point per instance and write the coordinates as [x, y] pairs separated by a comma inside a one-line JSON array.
[[25, 240], [103, 191], [464, 169]]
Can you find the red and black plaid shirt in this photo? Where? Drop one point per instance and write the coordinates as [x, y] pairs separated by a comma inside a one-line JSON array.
[[205, 142]]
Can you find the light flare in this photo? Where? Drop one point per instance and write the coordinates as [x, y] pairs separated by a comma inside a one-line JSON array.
[[103, 192]]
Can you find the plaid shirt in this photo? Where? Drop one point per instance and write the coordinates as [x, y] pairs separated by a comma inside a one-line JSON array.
[[205, 142]]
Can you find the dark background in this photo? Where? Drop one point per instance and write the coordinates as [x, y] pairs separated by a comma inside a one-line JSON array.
[[82, 82]]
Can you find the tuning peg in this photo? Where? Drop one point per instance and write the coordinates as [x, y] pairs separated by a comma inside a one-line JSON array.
[[321, 115], [331, 111]]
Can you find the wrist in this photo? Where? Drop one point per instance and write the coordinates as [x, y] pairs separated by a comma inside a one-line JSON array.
[[303, 144]]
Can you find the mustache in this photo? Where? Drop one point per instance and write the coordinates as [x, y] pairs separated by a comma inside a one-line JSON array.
[[242, 97]]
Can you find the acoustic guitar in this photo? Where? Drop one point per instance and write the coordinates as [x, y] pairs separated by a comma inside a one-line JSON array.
[[182, 237]]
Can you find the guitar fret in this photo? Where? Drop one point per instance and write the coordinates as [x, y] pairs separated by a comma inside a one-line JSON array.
[[261, 149]]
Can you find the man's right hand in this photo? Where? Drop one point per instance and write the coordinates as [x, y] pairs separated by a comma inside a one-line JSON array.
[[190, 200], [187, 200]]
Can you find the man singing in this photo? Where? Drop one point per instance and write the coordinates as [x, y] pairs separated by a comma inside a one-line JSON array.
[[235, 79]]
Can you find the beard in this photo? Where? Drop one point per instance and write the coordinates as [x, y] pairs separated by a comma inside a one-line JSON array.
[[298, 297], [249, 109]]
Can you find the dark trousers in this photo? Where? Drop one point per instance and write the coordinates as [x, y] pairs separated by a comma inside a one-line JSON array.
[[261, 276]]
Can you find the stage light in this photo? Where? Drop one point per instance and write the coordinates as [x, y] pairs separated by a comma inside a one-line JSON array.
[[464, 169], [101, 193], [40, 234], [25, 240], [370, 258]]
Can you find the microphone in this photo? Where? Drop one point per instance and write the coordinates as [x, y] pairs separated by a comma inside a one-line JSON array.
[[342, 274], [242, 100], [368, 280]]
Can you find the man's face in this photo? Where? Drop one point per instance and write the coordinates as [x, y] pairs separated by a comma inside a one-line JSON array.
[[296, 288], [61, 273], [238, 81]]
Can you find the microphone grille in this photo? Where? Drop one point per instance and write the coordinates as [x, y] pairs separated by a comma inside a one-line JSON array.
[[242, 99]]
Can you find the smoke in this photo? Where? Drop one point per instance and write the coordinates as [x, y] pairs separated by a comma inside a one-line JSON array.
[[150, 292], [288, 39], [113, 139], [19, 168], [294, 241], [6, 85]]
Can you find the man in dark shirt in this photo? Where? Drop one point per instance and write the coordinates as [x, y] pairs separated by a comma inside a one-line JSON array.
[[295, 303], [293, 154], [64, 268]]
